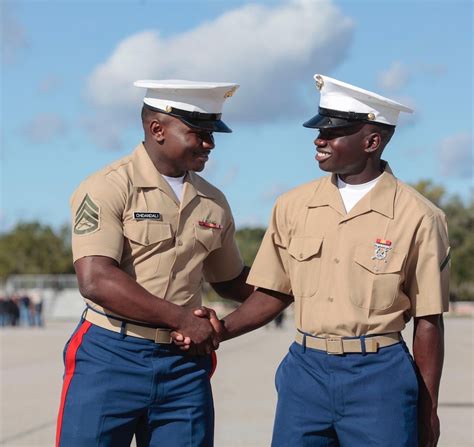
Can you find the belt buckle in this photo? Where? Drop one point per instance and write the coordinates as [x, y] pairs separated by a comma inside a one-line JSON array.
[[163, 336], [334, 346]]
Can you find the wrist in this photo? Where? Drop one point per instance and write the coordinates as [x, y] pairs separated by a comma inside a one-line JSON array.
[[225, 335], [175, 316]]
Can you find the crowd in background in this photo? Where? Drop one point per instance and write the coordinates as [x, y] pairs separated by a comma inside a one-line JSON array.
[[22, 308]]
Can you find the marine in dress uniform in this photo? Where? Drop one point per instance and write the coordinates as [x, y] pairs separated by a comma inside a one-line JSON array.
[[147, 230], [360, 253]]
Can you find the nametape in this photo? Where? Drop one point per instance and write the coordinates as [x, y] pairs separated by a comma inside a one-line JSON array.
[[142, 215]]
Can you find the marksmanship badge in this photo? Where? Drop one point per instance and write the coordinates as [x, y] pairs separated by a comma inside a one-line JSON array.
[[382, 247], [87, 218]]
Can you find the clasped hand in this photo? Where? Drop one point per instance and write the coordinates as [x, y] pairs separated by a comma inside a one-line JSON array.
[[200, 332]]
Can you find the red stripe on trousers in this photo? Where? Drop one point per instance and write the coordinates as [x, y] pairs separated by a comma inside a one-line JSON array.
[[70, 362], [214, 363]]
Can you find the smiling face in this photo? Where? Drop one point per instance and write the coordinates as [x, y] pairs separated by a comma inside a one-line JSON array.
[[176, 147], [352, 152], [186, 148]]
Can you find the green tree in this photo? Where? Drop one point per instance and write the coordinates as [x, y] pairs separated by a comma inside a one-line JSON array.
[[33, 248], [460, 216], [248, 240], [434, 193]]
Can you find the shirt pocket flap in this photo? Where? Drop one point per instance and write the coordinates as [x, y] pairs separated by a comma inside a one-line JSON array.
[[303, 248], [209, 237], [147, 232], [392, 263]]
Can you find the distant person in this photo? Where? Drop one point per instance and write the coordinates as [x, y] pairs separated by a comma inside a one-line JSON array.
[[360, 253], [24, 303], [36, 298], [13, 309], [4, 319], [147, 230]]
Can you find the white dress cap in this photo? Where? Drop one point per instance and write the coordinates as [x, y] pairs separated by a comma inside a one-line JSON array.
[[345, 102], [193, 96], [197, 104]]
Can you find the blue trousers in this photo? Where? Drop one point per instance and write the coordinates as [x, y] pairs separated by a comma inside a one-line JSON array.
[[348, 400], [116, 386]]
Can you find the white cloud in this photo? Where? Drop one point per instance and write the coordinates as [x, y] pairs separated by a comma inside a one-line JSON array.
[[455, 155], [395, 77], [269, 50], [13, 35], [44, 127]]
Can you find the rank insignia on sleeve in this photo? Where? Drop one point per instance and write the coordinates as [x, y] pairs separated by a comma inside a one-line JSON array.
[[382, 247], [210, 224], [87, 218]]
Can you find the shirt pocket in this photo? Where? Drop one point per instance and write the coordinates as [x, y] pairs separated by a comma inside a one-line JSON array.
[[305, 265], [147, 233], [375, 283], [208, 239]]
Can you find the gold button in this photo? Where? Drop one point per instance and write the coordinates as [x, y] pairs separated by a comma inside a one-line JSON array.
[[330, 299], [180, 242], [336, 260]]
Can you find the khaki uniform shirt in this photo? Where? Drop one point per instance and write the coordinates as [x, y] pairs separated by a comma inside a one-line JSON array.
[[358, 273], [128, 212]]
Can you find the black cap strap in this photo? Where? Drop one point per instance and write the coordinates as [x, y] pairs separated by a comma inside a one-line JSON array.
[[186, 113], [351, 116]]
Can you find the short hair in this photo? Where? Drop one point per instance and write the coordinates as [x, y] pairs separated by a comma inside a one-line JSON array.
[[386, 131], [147, 113]]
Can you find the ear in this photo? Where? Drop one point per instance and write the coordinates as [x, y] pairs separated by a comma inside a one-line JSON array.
[[372, 142], [157, 130]]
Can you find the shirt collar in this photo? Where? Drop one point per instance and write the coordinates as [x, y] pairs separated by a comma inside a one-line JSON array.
[[381, 197], [146, 175]]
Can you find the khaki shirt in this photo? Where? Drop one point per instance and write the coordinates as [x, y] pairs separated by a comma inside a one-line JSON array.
[[128, 212], [358, 273]]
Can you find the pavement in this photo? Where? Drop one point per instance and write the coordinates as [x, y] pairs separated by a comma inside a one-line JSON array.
[[31, 375]]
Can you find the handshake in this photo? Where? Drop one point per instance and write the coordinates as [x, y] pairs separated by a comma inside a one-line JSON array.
[[199, 332]]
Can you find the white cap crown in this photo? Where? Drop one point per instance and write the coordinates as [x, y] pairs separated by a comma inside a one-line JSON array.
[[193, 96], [338, 96]]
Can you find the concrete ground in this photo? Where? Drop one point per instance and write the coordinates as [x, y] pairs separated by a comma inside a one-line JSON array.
[[31, 371]]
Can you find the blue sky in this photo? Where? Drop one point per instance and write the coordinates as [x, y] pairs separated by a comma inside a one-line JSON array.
[[68, 106]]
